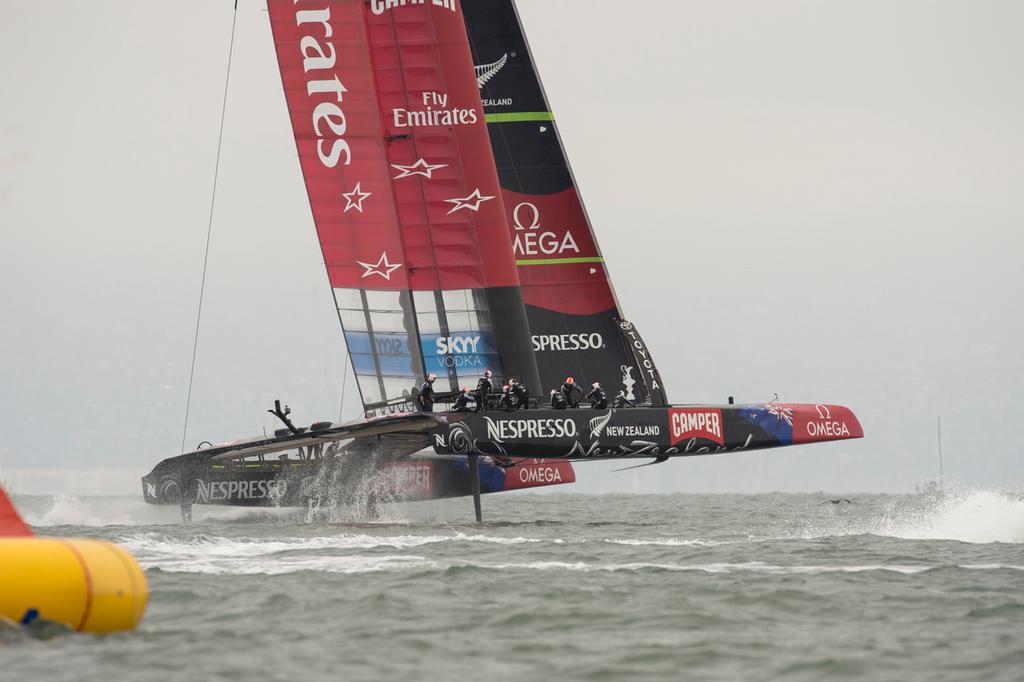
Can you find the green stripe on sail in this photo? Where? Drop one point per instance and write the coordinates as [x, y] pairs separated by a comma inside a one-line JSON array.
[[520, 117], [559, 261]]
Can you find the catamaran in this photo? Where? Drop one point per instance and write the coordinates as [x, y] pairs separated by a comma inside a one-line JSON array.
[[455, 242]]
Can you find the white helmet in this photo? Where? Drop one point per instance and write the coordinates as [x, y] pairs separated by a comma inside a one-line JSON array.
[[431, 377], [597, 384]]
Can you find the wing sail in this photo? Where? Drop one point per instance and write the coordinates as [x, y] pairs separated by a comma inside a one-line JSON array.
[[395, 152]]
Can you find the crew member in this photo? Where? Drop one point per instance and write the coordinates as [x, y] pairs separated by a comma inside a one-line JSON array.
[[462, 402], [483, 389], [567, 389], [597, 397], [507, 401], [622, 401], [558, 401], [513, 393], [520, 393], [425, 399]]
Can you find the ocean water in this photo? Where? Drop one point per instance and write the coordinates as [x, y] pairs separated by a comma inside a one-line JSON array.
[[559, 586]]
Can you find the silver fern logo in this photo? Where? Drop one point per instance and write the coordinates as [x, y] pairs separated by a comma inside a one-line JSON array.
[[486, 72], [597, 425]]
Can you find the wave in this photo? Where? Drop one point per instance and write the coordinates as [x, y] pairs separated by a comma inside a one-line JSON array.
[[665, 542], [71, 510], [286, 565], [201, 546], [979, 516], [148, 544], [973, 516], [99, 511], [355, 564]]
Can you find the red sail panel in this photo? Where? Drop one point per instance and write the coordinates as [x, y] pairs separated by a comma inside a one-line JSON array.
[[560, 265], [404, 190], [324, 56], [452, 218], [393, 144]]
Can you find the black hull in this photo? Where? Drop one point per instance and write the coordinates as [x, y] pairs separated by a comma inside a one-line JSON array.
[[655, 432], [301, 483], [387, 458]]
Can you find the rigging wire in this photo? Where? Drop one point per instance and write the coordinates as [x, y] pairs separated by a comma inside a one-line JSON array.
[[344, 385], [209, 226]]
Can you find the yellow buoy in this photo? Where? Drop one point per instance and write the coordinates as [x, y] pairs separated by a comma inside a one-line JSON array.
[[88, 585]]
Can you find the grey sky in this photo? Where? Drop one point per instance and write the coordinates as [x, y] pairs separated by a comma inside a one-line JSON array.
[[819, 199]]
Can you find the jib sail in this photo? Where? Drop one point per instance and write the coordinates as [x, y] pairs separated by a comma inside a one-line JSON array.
[[396, 156], [570, 303]]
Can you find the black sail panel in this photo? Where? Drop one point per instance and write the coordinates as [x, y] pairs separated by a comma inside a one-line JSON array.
[[572, 309]]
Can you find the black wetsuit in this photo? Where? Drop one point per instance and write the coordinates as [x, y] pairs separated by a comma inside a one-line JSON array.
[[462, 403], [507, 402], [567, 390], [425, 400], [483, 389], [622, 401], [598, 399], [522, 396], [558, 401]]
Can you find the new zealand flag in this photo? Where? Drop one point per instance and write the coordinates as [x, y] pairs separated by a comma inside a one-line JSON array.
[[774, 420]]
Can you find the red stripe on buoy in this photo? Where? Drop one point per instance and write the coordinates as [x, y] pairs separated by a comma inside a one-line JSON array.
[[88, 582]]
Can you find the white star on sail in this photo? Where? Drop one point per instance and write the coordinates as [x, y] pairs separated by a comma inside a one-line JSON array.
[[472, 202], [355, 198], [381, 267], [421, 167]]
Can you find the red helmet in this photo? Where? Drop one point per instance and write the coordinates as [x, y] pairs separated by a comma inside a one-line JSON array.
[[570, 380], [505, 387]]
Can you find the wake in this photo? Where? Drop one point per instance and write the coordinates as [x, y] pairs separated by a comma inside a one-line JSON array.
[[973, 516], [979, 516], [45, 511]]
